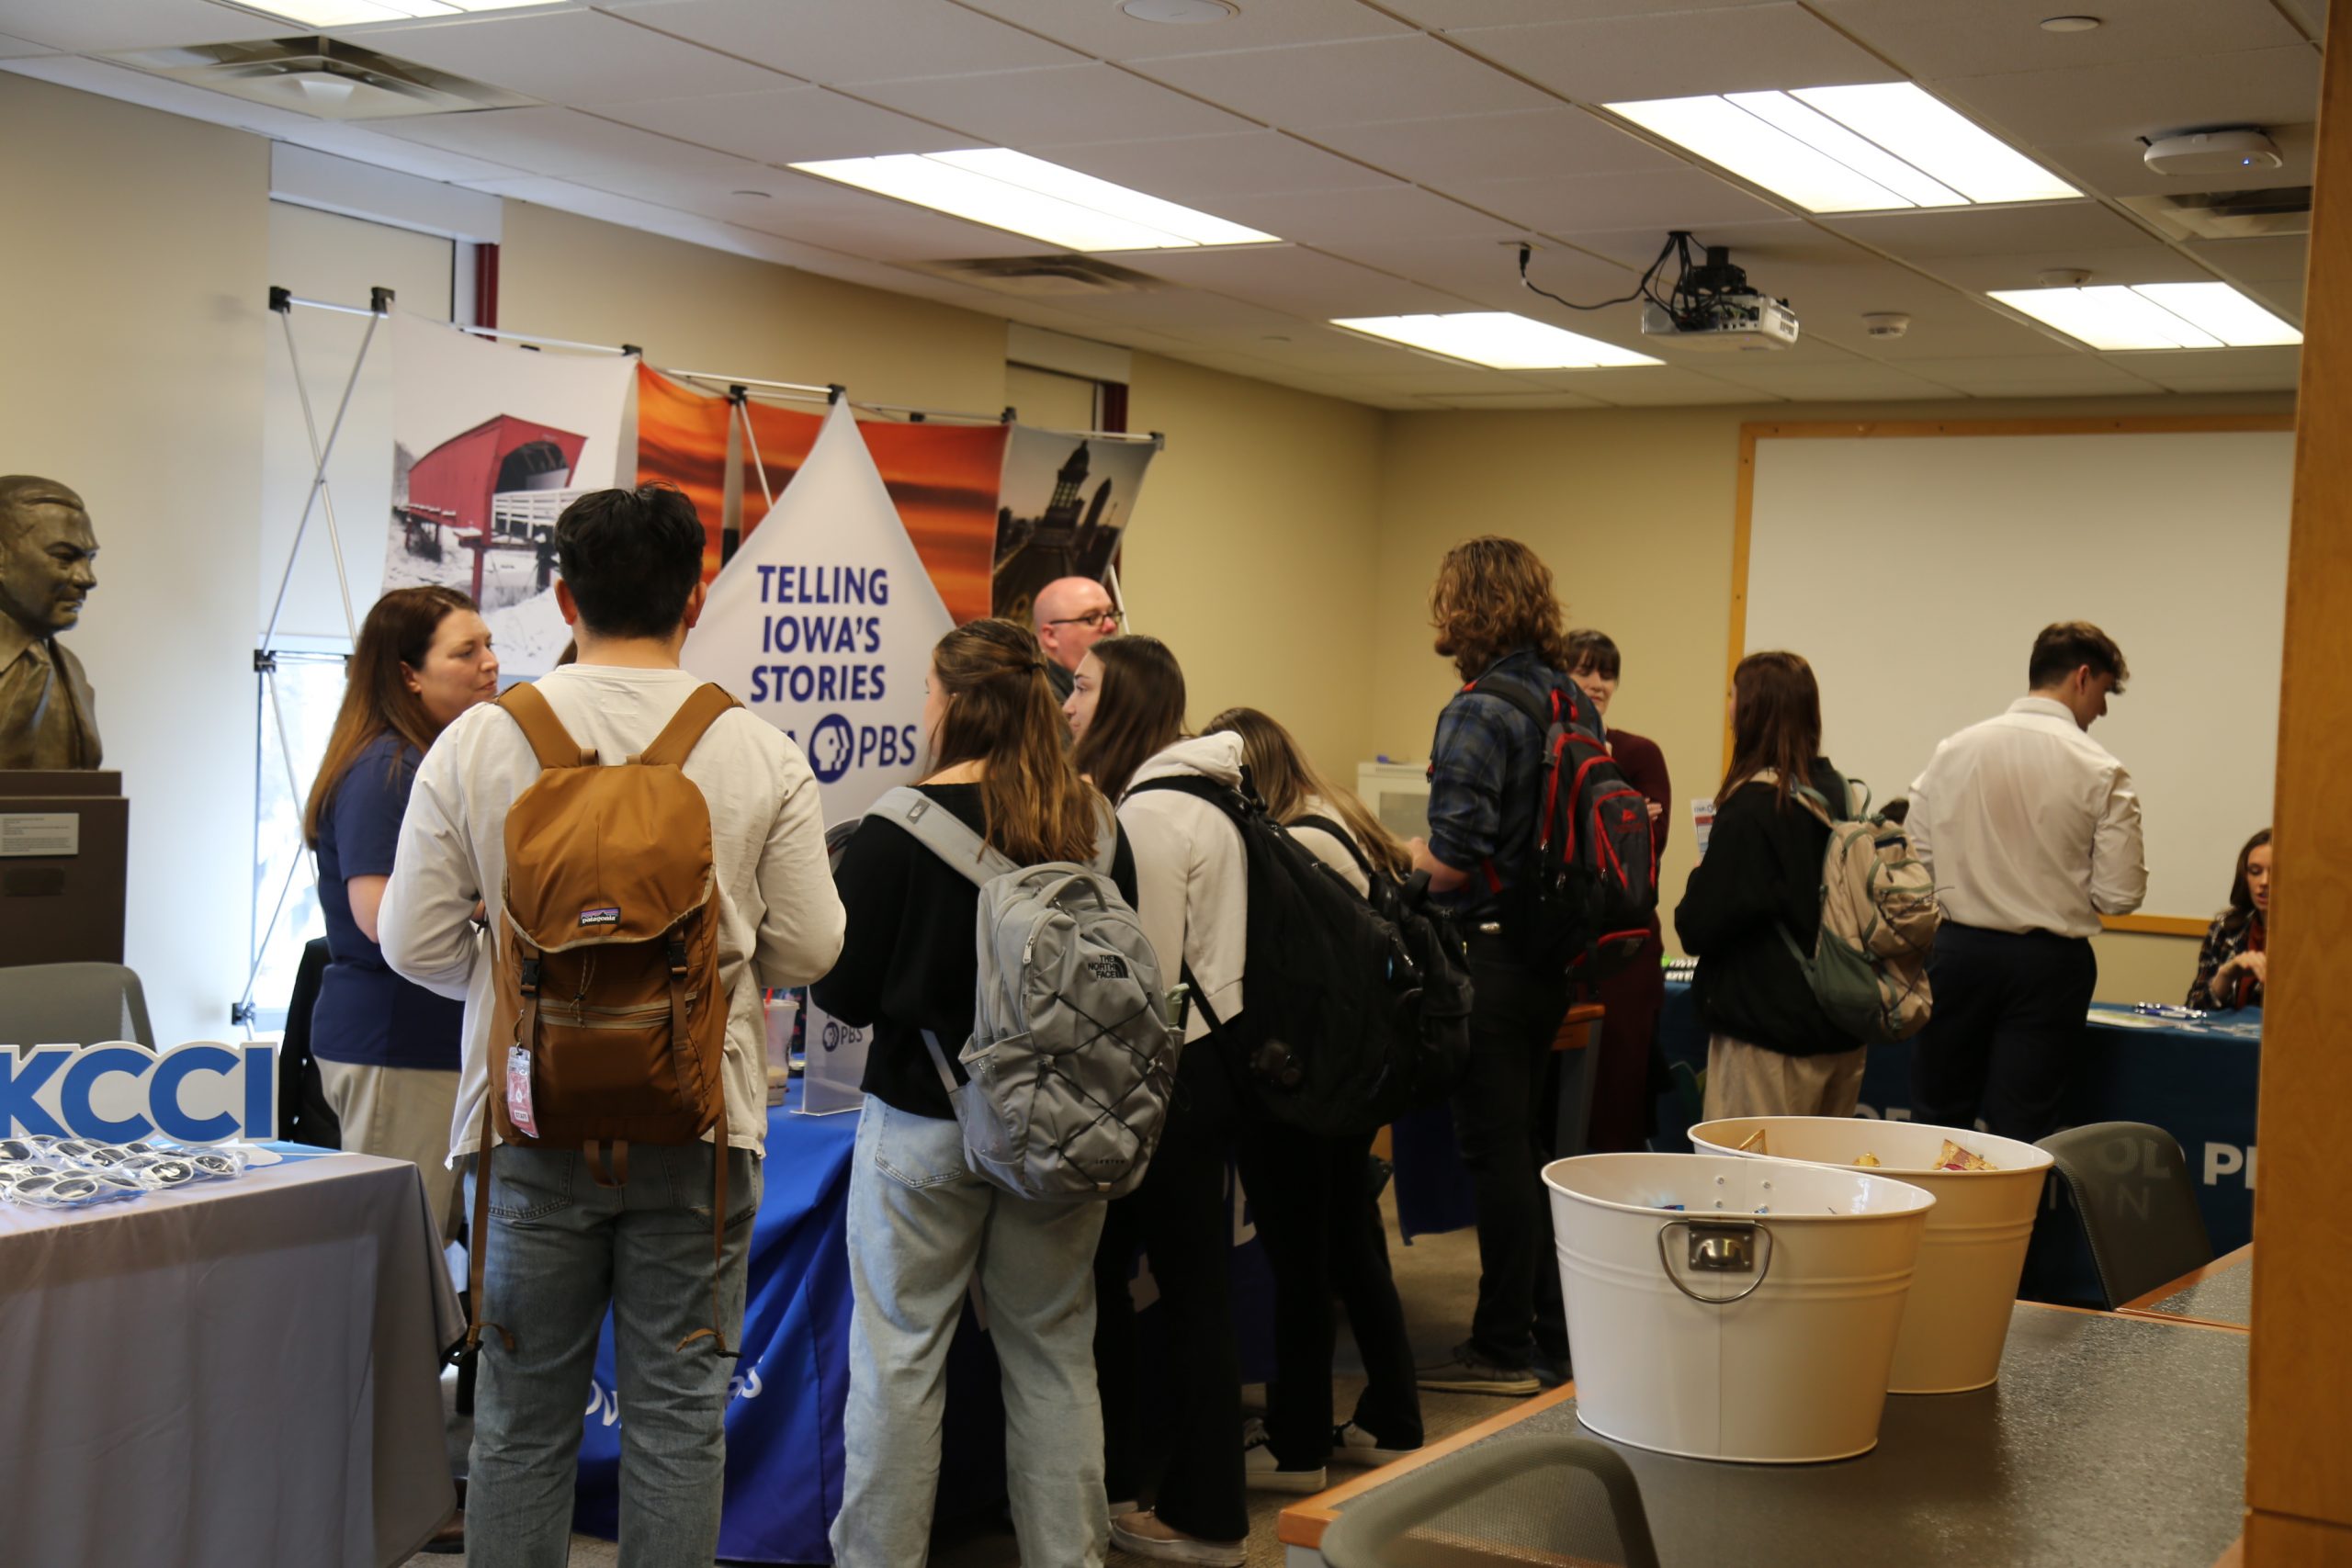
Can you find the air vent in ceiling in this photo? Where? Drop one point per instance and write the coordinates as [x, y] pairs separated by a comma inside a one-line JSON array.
[[1061, 275], [324, 77], [2228, 214]]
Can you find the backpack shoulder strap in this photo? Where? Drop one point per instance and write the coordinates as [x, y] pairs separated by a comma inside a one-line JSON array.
[[1519, 694], [938, 830], [678, 738], [1347, 840], [1223, 797], [551, 742]]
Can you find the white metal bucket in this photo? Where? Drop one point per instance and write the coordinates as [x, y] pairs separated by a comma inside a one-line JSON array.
[[1974, 1251], [1757, 1323]]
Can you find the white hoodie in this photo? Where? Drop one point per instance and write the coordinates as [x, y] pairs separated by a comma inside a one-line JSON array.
[[1191, 878]]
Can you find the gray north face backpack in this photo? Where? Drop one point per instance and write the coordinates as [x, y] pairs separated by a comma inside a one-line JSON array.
[[1072, 1055], [1868, 965]]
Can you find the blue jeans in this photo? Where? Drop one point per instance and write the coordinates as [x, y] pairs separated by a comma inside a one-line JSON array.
[[921, 1226], [561, 1250]]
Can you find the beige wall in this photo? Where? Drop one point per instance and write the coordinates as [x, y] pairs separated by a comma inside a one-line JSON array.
[[1634, 509], [1252, 550], [132, 316]]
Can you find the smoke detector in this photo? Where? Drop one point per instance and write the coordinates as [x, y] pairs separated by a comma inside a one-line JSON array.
[[1885, 323], [2213, 152]]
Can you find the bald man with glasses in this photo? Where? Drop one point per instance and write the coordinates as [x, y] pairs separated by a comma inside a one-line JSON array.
[[1072, 614]]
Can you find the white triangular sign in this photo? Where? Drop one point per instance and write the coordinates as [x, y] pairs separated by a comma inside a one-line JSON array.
[[824, 622]]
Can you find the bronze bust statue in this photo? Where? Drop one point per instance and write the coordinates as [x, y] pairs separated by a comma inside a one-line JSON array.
[[48, 718]]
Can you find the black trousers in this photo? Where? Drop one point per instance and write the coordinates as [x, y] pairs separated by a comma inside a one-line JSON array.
[[2007, 1030], [1181, 1218], [1312, 1200], [1503, 1120]]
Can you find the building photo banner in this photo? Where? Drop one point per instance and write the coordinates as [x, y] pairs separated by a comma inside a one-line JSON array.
[[1066, 501], [490, 443]]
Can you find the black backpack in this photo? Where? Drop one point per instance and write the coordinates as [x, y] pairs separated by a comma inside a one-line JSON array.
[[1595, 889], [1359, 1010]]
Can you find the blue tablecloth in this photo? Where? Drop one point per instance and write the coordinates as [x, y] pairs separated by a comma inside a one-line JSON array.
[[2198, 1081], [783, 1418]]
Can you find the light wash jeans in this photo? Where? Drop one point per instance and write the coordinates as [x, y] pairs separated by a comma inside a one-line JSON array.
[[920, 1225], [561, 1249]]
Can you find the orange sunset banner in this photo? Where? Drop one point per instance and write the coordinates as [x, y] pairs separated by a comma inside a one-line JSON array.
[[944, 479]]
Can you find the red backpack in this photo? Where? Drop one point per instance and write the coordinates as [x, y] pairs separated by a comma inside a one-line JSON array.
[[1595, 886]]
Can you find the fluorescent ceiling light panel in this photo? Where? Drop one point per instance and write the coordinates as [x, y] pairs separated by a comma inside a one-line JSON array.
[[356, 12], [1028, 196], [1871, 149], [1497, 339], [2154, 315]]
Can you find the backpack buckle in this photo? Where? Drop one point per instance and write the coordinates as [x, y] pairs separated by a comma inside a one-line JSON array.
[[530, 978], [676, 949]]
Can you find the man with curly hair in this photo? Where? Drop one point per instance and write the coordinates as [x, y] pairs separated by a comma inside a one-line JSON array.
[[1499, 619]]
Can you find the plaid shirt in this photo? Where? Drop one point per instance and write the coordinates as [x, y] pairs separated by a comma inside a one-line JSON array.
[[1485, 768]]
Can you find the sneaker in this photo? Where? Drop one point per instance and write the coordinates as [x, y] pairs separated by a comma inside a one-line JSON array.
[[1468, 1371], [1142, 1535], [1261, 1472], [1551, 1369], [1351, 1445]]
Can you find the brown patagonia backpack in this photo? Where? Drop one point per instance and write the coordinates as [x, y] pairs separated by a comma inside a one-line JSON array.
[[611, 1025]]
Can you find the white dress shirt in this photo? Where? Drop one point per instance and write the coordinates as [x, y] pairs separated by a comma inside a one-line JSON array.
[[779, 919], [2028, 825]]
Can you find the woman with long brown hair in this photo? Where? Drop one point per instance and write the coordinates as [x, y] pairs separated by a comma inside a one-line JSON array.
[[1312, 1197], [387, 1049], [1128, 713], [2233, 965], [1753, 903], [920, 1223]]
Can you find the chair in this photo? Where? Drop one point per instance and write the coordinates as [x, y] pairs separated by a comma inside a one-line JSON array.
[[2132, 1187], [73, 1004], [303, 1114], [1509, 1501]]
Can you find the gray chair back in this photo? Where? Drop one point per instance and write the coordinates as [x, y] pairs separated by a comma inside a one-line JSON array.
[[73, 1004], [1508, 1501], [2132, 1187]]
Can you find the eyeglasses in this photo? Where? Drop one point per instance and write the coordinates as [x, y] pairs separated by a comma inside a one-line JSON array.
[[1092, 618]]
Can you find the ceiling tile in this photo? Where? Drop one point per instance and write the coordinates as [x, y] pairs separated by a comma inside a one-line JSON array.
[[868, 41], [1484, 268], [1188, 313], [790, 125], [2221, 369], [1817, 383], [1305, 85], [1453, 15], [566, 196], [1993, 231], [2116, 103], [1648, 385], [1516, 402], [2284, 296], [2275, 260], [1439, 377], [2312, 15], [1680, 198], [1777, 240], [1303, 282], [1100, 27], [371, 146], [819, 212], [1485, 148], [2073, 375], [99, 27], [1945, 323], [1053, 104], [1622, 59], [1341, 217], [1205, 170], [584, 58], [567, 144], [2117, 166], [1313, 348], [1932, 39], [20, 47], [2023, 269]]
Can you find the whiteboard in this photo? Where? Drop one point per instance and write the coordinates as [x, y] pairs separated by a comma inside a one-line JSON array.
[[1914, 573]]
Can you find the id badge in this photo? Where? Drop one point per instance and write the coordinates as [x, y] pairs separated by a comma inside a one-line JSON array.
[[518, 1090]]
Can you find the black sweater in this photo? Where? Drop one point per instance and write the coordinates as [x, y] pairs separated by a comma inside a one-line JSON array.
[[910, 959], [1762, 870]]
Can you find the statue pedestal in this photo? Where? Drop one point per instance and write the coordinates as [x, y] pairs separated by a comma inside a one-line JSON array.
[[65, 839]]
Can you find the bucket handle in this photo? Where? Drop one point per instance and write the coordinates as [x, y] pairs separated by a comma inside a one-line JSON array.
[[1719, 1247]]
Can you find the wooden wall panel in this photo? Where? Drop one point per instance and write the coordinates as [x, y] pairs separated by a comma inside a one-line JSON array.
[[2299, 1450]]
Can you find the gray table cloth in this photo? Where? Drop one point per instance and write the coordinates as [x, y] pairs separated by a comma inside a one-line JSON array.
[[241, 1373]]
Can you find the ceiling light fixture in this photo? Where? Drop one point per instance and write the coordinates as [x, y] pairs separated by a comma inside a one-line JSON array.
[[1498, 340], [2154, 315], [1866, 149], [1028, 196], [2069, 24], [1180, 13], [358, 13]]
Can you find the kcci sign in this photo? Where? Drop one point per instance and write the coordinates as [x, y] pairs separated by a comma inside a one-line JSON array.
[[112, 1093]]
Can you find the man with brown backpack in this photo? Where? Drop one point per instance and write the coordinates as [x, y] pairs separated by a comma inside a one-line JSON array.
[[646, 855]]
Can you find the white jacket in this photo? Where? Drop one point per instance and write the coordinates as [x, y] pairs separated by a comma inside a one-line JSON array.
[[1191, 878]]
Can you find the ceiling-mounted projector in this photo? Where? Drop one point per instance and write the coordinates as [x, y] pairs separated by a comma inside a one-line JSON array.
[[2212, 152], [1711, 308]]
